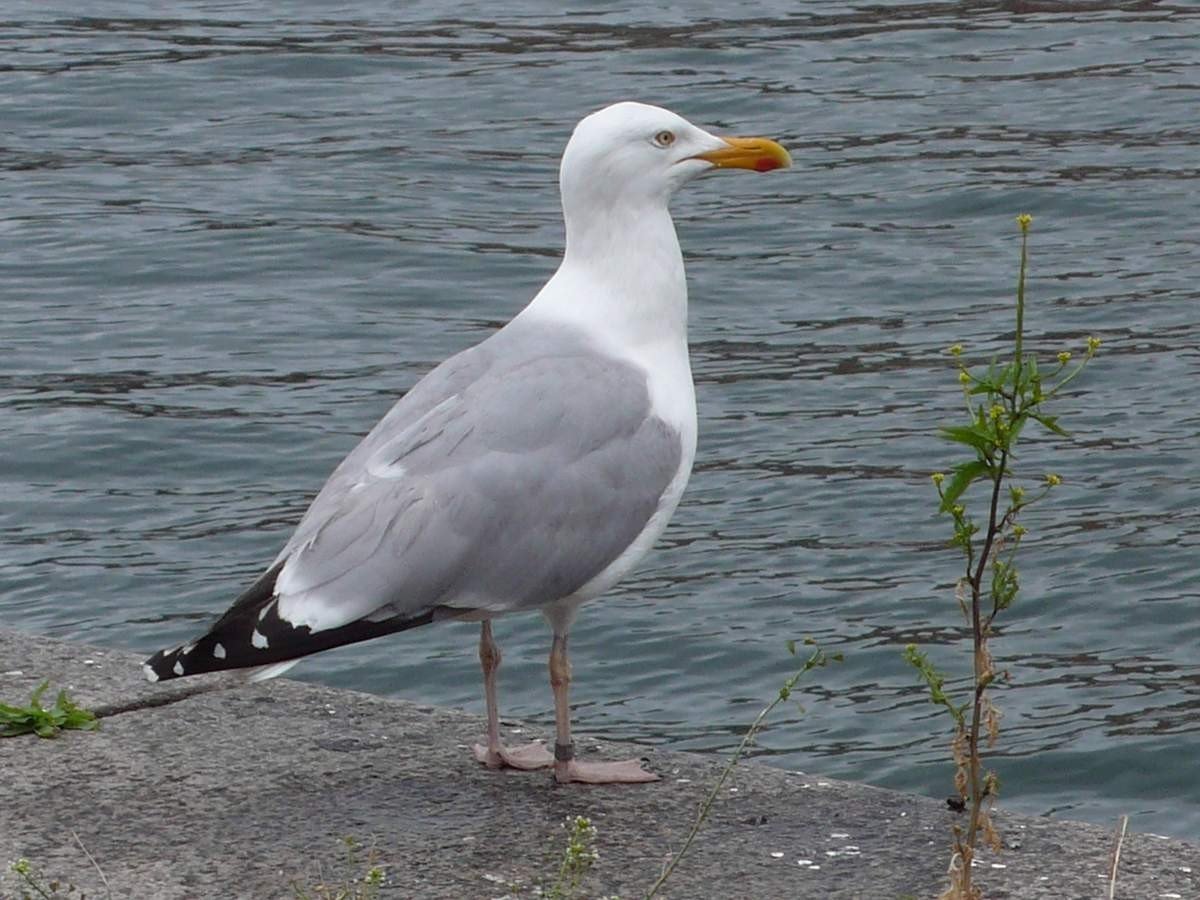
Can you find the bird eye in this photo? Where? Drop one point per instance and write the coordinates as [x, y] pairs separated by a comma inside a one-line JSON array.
[[664, 138]]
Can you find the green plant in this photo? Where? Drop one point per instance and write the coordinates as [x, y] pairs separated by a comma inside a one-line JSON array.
[[578, 857], [1001, 400], [816, 659], [32, 884], [46, 723], [359, 885]]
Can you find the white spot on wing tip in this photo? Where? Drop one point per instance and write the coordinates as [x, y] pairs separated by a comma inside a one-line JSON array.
[[219, 651], [177, 668], [259, 640], [150, 674]]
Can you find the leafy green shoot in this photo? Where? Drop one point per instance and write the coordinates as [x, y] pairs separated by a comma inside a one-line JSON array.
[[33, 718]]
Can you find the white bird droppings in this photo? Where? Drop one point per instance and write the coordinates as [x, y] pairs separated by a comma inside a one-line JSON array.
[[1186, 869], [777, 855], [219, 650], [839, 834], [259, 640], [177, 668], [999, 866]]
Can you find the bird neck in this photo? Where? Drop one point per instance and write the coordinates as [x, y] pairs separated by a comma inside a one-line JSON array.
[[621, 277]]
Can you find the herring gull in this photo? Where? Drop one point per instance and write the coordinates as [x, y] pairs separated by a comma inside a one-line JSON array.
[[530, 472]]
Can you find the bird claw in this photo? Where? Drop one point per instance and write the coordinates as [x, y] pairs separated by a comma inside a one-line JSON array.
[[526, 758]]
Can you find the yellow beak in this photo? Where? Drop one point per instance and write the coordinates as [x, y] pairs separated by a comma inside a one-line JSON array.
[[759, 154]]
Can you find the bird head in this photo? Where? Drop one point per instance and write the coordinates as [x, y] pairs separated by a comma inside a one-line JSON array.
[[635, 153]]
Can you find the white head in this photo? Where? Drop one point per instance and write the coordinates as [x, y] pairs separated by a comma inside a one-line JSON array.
[[622, 272], [634, 155]]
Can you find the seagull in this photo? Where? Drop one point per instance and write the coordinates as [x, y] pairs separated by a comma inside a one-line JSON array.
[[530, 472]]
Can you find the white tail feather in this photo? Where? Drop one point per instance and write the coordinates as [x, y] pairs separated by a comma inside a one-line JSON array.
[[262, 673]]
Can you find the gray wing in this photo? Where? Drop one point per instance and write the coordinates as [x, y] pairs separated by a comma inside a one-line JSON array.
[[506, 480]]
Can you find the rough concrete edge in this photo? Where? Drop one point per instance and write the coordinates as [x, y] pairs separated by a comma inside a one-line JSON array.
[[125, 679]]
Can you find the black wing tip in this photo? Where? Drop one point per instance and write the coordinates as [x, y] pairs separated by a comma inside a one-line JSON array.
[[158, 667], [248, 638], [197, 657], [210, 653]]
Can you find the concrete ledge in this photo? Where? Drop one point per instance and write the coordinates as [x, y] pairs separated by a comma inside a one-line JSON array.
[[237, 791]]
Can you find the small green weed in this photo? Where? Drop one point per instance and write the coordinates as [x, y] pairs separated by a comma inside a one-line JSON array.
[[574, 860], [578, 857], [817, 659], [35, 719], [366, 886], [33, 884]]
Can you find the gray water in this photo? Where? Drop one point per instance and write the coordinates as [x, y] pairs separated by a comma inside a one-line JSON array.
[[230, 238]]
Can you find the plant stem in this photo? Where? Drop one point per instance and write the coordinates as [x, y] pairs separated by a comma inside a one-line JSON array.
[[816, 659], [1018, 350], [29, 880], [709, 800], [1116, 859], [979, 628], [95, 865]]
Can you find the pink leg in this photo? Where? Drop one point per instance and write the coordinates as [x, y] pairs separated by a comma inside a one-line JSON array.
[[495, 755], [566, 766]]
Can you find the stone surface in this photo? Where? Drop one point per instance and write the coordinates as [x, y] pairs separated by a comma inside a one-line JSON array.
[[249, 790]]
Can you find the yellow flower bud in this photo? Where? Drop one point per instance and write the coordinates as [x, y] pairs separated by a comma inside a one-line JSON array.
[[1024, 220], [964, 377], [937, 478], [1064, 357], [955, 350], [1093, 344], [1053, 480]]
